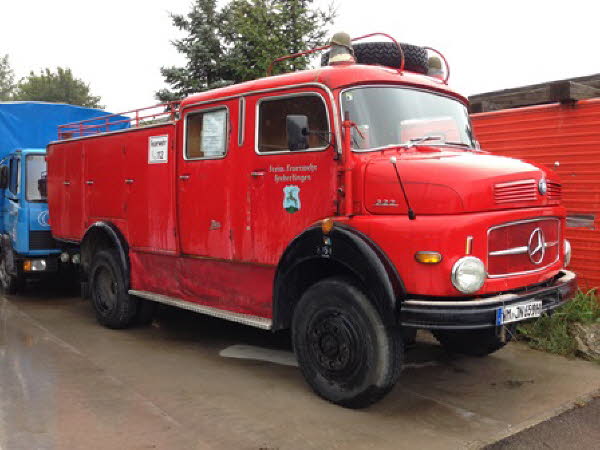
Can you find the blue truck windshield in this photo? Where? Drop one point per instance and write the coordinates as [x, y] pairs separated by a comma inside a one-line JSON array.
[[36, 178]]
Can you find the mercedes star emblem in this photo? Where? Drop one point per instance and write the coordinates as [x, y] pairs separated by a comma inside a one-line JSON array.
[[537, 246]]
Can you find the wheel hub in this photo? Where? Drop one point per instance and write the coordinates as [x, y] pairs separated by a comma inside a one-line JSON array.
[[334, 344]]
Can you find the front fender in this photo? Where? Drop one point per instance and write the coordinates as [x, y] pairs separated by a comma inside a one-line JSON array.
[[313, 256]]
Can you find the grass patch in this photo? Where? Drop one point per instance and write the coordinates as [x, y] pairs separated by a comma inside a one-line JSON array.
[[551, 333]]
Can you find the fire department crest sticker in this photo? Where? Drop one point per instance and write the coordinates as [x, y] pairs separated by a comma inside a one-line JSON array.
[[291, 198]]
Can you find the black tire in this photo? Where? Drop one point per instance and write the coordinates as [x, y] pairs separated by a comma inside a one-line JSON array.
[[145, 312], [9, 282], [472, 342], [387, 54], [114, 307], [345, 352]]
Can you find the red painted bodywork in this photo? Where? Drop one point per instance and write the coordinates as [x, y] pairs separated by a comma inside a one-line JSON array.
[[213, 231]]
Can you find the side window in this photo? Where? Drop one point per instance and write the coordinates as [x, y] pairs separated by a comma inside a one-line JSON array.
[[272, 114], [15, 175], [206, 134]]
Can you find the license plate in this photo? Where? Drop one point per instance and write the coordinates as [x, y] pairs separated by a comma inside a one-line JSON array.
[[518, 312]]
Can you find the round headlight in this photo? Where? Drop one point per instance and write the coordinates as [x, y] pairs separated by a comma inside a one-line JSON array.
[[567, 252], [468, 274]]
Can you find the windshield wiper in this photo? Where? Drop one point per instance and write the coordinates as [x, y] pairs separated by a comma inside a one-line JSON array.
[[417, 141], [458, 144]]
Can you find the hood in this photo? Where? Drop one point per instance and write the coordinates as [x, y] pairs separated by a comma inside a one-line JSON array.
[[453, 182]]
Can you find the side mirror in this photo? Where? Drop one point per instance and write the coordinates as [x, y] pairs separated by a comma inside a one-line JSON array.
[[43, 185], [3, 177], [297, 132]]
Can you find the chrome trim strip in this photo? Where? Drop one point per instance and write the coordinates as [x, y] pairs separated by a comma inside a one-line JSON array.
[[510, 251], [517, 222], [568, 276], [519, 250], [245, 319]]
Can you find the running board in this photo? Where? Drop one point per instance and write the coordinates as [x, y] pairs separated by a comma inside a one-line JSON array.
[[245, 319]]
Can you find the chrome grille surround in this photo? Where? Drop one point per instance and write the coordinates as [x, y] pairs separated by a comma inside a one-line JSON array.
[[523, 249]]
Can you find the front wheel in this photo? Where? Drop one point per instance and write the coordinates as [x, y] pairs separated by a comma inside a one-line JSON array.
[[9, 283], [345, 351]]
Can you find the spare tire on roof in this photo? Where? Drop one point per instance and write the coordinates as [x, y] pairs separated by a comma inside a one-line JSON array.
[[387, 54]]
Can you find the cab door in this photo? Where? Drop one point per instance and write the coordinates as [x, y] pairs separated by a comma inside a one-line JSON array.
[[289, 190], [204, 173]]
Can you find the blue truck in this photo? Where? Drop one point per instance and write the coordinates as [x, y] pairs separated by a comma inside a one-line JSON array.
[[27, 249]]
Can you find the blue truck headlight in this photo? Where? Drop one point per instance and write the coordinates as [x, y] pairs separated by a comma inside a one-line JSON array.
[[34, 265]]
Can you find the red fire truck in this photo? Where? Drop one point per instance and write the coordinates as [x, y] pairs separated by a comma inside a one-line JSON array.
[[350, 204]]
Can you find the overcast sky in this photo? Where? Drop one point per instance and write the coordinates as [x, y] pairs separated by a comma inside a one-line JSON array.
[[118, 46]]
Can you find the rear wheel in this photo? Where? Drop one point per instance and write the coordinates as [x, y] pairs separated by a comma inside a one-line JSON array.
[[345, 351], [114, 307], [472, 342]]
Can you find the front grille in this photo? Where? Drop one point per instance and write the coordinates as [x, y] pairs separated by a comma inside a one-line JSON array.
[[41, 240], [514, 248], [515, 191], [554, 191]]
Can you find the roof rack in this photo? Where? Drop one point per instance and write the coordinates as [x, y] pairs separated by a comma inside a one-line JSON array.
[[325, 47], [150, 115]]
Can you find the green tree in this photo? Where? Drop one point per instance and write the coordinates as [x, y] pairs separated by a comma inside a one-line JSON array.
[[7, 79], [56, 87], [238, 42]]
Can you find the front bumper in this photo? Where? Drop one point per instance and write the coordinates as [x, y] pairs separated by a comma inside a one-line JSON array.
[[481, 312]]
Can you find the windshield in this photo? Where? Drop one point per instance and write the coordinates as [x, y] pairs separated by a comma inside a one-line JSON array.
[[391, 116], [36, 178]]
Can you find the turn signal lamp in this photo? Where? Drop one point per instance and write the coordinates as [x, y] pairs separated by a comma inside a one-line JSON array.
[[327, 226], [428, 257]]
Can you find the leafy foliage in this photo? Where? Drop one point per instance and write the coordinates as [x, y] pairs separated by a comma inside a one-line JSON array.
[[238, 42], [551, 333], [56, 87], [7, 79]]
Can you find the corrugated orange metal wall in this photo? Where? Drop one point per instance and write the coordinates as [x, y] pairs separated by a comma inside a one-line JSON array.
[[569, 135]]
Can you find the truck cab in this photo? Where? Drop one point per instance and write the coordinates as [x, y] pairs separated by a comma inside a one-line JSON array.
[[28, 249]]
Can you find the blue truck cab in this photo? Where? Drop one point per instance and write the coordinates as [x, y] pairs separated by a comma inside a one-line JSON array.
[[28, 249]]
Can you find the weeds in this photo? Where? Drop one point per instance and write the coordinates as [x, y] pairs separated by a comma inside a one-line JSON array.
[[551, 333]]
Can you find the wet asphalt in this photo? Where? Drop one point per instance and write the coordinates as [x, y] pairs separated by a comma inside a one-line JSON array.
[[189, 381]]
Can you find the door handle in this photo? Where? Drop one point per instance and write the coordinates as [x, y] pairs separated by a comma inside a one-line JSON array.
[[89, 182], [66, 183], [184, 177], [258, 173], [129, 181]]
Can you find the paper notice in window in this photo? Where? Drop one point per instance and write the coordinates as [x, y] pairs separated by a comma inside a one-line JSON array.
[[213, 133]]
